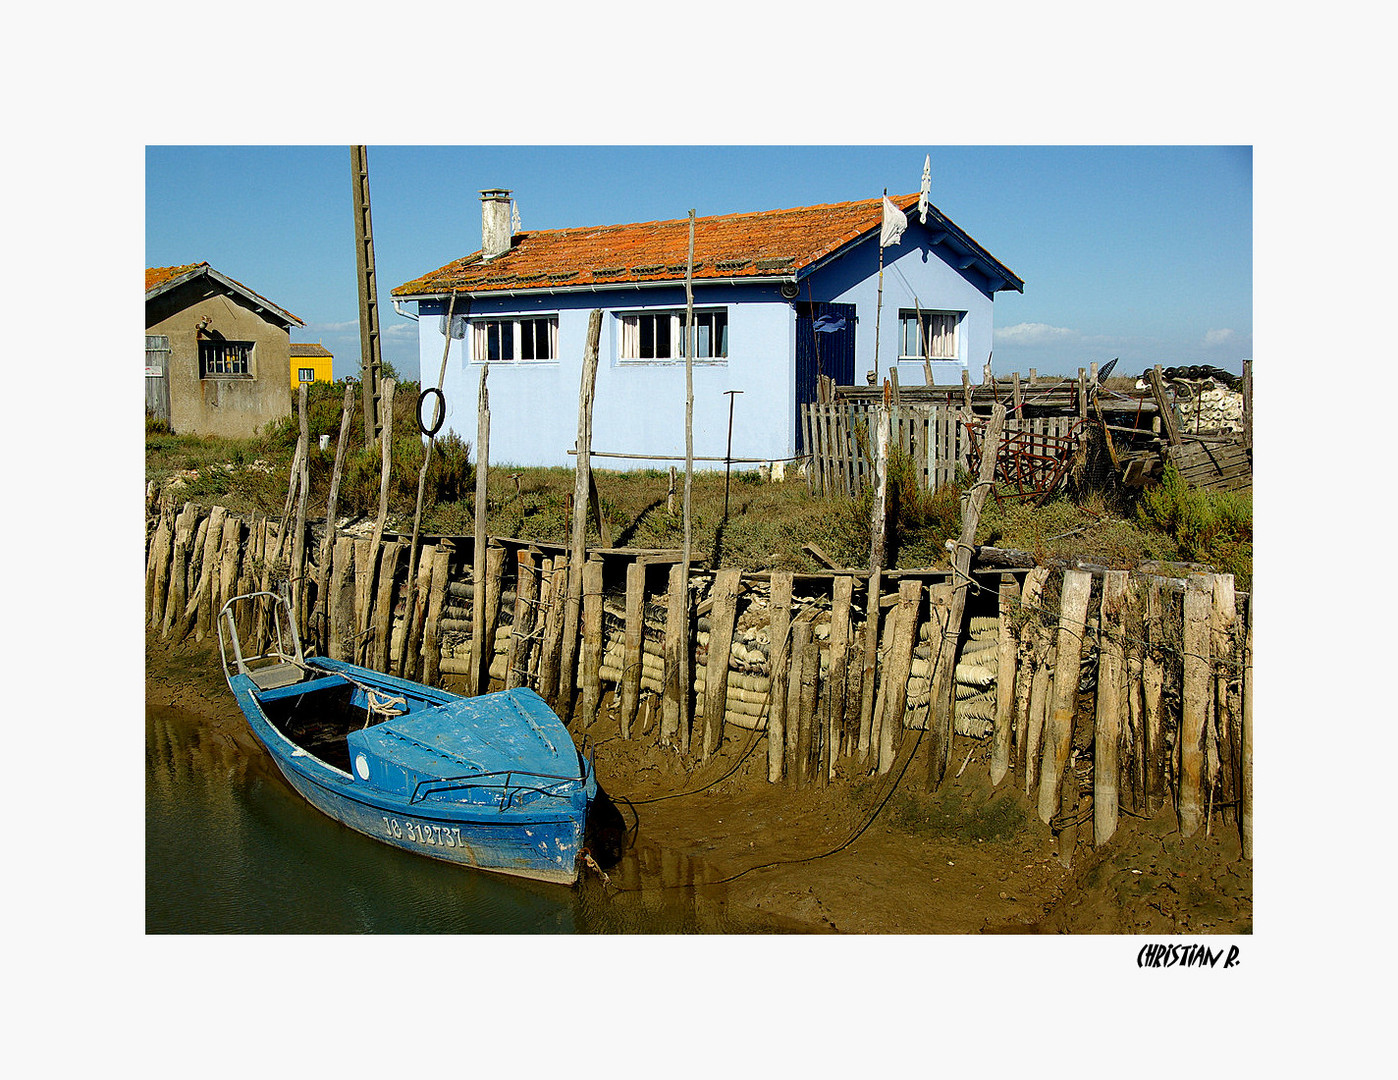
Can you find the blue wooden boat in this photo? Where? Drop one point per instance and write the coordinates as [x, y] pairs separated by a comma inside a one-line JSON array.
[[493, 782]]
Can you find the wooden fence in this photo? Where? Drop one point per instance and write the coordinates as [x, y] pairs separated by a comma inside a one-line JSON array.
[[933, 436], [1098, 692]]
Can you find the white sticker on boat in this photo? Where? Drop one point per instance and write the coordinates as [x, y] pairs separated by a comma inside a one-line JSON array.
[[361, 766]]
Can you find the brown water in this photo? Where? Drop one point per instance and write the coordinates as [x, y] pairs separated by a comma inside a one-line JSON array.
[[231, 848]]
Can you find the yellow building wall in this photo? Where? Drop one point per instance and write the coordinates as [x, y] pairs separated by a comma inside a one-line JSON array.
[[321, 365]]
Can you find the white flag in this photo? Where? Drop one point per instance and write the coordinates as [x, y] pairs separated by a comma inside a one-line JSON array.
[[926, 190], [894, 222], [514, 216]]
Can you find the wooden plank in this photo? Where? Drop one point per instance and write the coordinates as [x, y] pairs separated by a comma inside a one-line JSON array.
[[778, 637], [798, 721], [494, 586], [841, 593], [1032, 653], [1006, 652], [1194, 707], [362, 572], [721, 618], [161, 551], [540, 623], [1108, 728], [896, 674], [342, 600], [1222, 617], [591, 641], [1058, 735], [1153, 659], [1167, 408], [632, 648], [868, 664]]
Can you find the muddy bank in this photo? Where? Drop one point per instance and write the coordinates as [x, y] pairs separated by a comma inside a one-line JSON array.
[[872, 855]]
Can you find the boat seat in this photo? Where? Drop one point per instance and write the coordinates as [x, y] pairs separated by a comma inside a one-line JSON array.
[[269, 678]]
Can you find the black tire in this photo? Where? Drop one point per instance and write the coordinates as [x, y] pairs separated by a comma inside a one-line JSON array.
[[441, 412]]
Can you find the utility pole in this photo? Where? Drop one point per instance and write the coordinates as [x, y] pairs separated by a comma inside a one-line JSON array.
[[370, 364]]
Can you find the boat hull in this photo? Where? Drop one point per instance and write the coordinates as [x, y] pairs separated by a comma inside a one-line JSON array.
[[538, 838]]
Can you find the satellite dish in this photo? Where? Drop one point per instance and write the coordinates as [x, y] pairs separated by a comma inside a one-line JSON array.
[[790, 290]]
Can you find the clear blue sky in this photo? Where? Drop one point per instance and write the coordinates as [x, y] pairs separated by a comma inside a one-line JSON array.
[[1142, 253]]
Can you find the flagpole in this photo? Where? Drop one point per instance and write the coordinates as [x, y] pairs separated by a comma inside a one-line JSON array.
[[878, 310]]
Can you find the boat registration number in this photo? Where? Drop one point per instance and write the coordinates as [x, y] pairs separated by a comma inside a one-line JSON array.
[[430, 835]]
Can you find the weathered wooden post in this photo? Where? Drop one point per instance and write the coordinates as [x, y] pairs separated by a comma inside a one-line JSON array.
[[868, 698], [577, 556], [436, 600], [721, 617], [553, 631], [383, 605], [480, 660], [1152, 698], [1032, 652], [158, 576], [366, 588], [591, 641], [526, 592], [1110, 658], [778, 635], [896, 673], [494, 576], [203, 604], [632, 649], [1058, 738], [841, 592], [1194, 706], [328, 540], [1224, 615], [943, 692], [340, 600], [1006, 651], [1245, 795], [800, 638], [810, 678], [676, 645]]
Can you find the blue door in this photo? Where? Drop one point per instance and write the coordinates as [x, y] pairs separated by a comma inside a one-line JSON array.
[[824, 346]]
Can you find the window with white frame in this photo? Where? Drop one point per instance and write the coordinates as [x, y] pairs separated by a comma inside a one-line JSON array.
[[305, 374], [930, 335], [525, 338], [660, 335], [220, 359]]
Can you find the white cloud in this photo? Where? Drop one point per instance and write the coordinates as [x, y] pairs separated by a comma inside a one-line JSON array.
[[1032, 333], [1217, 337]]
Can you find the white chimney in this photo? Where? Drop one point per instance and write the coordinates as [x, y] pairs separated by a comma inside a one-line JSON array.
[[495, 222]]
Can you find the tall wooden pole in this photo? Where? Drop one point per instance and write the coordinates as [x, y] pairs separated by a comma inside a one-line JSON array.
[[572, 611], [685, 672], [370, 363], [878, 307]]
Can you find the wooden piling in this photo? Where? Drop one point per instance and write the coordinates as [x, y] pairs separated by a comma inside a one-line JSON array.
[[808, 716], [296, 573], [868, 665], [411, 662], [1107, 739], [230, 553], [1223, 616], [526, 593], [490, 617], [203, 610], [795, 721], [1006, 652], [1040, 693], [721, 617], [778, 637], [553, 630], [321, 625], [676, 644], [383, 604], [943, 691], [1032, 652], [363, 571], [341, 600], [1152, 698], [436, 601], [842, 590], [632, 646], [591, 641], [161, 552], [896, 674], [540, 624], [479, 657], [1058, 736], [1245, 788], [1194, 706]]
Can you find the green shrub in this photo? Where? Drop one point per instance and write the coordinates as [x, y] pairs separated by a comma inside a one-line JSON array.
[[1213, 527]]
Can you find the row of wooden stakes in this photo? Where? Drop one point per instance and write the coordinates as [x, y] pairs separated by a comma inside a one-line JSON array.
[[1167, 723]]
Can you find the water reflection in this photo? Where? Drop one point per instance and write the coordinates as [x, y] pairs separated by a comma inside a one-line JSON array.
[[231, 848]]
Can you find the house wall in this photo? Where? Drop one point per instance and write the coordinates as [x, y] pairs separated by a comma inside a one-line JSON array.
[[639, 406], [915, 274], [231, 407]]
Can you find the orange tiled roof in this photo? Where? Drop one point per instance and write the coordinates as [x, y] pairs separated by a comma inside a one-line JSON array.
[[769, 243], [158, 276]]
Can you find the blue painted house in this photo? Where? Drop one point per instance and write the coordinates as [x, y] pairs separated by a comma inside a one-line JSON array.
[[780, 297]]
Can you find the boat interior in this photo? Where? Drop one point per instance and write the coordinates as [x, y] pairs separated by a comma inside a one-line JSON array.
[[317, 715]]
